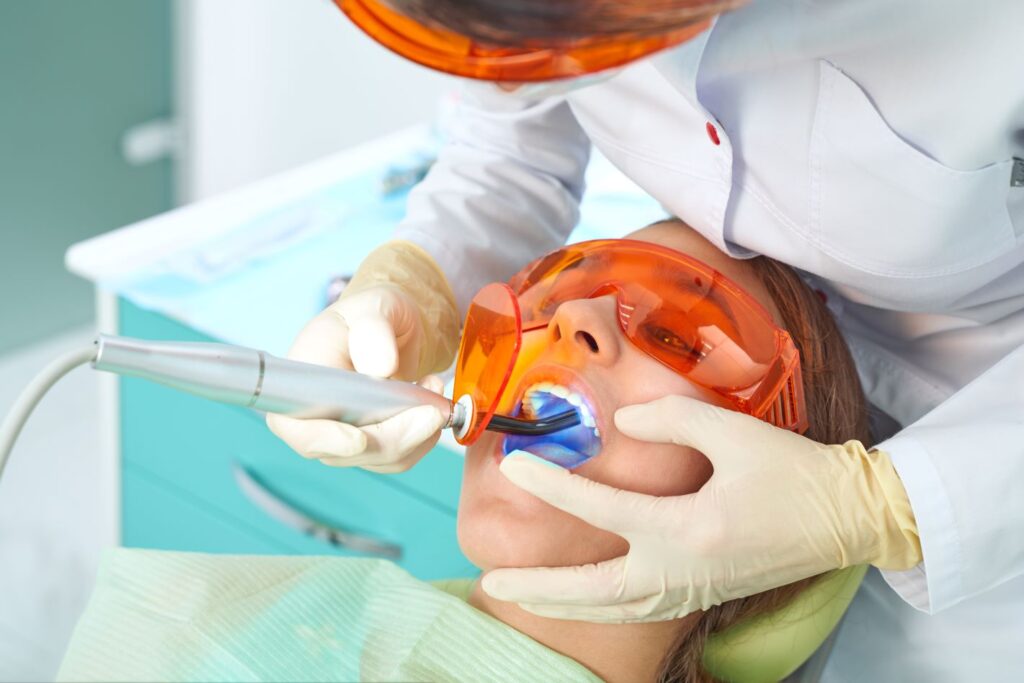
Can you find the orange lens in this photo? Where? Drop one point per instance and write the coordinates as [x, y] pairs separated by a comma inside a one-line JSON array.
[[456, 54], [682, 313], [490, 344]]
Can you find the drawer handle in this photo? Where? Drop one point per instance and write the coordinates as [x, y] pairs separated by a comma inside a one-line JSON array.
[[278, 509]]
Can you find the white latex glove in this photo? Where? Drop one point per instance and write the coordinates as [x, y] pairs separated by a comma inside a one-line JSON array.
[[778, 508], [377, 331]]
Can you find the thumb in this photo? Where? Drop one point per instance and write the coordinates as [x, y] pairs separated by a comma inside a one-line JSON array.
[[726, 437], [593, 584], [432, 383], [372, 345], [385, 332]]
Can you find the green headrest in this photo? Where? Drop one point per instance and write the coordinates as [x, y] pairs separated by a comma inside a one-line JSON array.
[[772, 646], [768, 647]]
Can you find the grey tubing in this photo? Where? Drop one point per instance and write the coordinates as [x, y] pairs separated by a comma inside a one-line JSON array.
[[30, 396]]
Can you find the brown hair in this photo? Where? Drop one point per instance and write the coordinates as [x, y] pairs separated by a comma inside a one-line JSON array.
[[519, 22], [837, 412]]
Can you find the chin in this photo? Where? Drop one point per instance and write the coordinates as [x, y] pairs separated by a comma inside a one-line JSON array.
[[495, 534], [500, 525]]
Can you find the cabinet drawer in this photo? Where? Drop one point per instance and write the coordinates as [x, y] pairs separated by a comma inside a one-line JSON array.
[[156, 517], [197, 448], [436, 478]]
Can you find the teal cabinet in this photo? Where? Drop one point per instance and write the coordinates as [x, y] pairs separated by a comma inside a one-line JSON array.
[[160, 516], [189, 467]]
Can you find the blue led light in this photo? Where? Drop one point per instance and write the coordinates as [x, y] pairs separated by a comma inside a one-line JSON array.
[[568, 448]]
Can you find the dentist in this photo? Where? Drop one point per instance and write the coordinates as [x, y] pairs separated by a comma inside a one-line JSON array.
[[878, 147]]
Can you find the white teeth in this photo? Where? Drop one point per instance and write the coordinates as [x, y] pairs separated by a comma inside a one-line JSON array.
[[560, 392], [574, 399]]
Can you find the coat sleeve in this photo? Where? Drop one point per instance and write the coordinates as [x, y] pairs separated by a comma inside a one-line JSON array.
[[963, 467], [505, 188]]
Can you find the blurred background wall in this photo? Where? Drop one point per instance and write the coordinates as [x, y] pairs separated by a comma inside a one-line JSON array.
[[264, 85], [112, 111], [74, 76], [115, 110]]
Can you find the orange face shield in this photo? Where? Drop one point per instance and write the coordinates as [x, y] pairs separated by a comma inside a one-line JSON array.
[[684, 314], [452, 53]]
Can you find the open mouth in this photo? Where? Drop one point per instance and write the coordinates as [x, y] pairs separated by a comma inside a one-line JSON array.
[[568, 448]]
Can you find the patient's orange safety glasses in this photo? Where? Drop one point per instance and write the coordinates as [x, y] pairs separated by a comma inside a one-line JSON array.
[[452, 53], [677, 310]]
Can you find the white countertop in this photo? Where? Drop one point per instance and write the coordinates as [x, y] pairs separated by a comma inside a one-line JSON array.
[[143, 244], [252, 266]]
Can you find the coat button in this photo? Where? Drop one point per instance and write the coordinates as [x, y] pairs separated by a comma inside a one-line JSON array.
[[713, 134]]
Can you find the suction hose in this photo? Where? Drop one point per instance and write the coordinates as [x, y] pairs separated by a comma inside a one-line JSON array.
[[30, 396]]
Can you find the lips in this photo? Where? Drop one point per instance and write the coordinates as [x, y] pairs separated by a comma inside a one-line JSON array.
[[549, 391]]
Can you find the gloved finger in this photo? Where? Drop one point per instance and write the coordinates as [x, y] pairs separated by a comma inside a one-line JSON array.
[[403, 465], [385, 332], [625, 613], [603, 583], [405, 434], [373, 463], [603, 506], [728, 438], [323, 341], [397, 443], [595, 615], [318, 438], [435, 384], [575, 596], [432, 383], [367, 464], [372, 345]]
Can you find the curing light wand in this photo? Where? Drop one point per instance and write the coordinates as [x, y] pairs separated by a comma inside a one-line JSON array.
[[256, 379]]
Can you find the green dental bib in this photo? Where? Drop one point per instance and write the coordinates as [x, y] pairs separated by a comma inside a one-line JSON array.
[[166, 616], [159, 616]]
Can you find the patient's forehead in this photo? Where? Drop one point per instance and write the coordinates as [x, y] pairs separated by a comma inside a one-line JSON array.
[[681, 237]]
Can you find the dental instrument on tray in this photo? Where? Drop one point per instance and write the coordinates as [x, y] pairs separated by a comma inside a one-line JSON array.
[[255, 379]]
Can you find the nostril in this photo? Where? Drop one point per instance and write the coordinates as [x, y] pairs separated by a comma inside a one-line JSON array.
[[588, 339], [556, 333]]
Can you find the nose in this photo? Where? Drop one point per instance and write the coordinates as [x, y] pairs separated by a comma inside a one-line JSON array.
[[587, 329]]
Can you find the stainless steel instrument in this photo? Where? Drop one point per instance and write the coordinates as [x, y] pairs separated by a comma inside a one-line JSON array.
[[256, 379]]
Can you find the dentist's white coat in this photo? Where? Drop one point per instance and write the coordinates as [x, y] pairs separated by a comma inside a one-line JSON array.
[[871, 144]]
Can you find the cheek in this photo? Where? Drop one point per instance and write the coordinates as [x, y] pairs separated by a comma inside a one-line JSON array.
[[655, 469], [658, 381], [478, 485]]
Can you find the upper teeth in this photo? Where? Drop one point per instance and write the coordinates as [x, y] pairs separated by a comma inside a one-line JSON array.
[[564, 393]]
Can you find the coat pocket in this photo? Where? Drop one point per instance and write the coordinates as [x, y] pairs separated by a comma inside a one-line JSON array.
[[881, 205]]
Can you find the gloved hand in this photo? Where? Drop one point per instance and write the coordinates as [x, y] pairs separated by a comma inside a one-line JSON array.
[[397, 318], [778, 508]]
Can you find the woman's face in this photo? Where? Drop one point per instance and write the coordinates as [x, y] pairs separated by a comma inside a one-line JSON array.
[[583, 348]]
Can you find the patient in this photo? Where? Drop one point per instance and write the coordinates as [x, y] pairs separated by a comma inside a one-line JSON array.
[[166, 617], [502, 526]]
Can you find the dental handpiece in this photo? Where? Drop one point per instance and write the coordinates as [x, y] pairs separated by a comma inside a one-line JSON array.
[[255, 379]]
